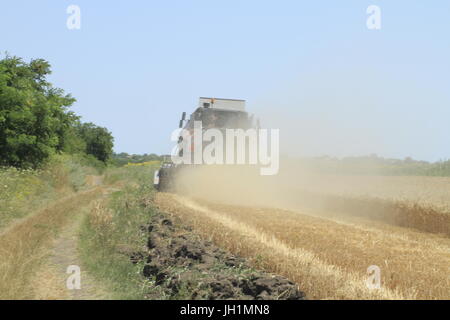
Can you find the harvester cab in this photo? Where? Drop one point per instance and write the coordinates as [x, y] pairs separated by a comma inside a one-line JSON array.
[[219, 114]]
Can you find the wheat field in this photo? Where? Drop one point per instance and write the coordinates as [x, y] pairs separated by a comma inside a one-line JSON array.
[[429, 192], [327, 257]]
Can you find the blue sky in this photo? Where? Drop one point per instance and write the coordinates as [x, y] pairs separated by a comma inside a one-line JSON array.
[[310, 68]]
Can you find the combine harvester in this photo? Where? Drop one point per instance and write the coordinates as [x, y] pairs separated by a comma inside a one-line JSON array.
[[213, 113]]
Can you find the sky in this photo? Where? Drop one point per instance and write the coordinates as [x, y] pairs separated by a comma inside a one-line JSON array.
[[313, 69]]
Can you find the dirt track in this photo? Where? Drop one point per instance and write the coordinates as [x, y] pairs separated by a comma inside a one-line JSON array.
[[50, 281], [326, 257]]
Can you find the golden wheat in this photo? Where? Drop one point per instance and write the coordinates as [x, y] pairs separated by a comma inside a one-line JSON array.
[[328, 259]]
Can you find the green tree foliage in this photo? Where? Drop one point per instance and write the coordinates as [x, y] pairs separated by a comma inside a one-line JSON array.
[[99, 141], [35, 121], [72, 142], [34, 116]]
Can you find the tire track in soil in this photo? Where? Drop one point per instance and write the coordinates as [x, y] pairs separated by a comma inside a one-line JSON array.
[[51, 279]]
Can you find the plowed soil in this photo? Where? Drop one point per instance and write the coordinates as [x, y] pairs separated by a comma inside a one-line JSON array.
[[184, 266]]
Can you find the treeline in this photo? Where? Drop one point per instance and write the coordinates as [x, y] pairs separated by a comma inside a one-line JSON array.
[[374, 164], [124, 158], [35, 120]]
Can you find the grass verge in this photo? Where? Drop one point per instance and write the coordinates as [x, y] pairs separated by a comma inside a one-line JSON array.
[[112, 233], [22, 191]]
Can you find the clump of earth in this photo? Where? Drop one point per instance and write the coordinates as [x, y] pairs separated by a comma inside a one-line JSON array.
[[184, 266]]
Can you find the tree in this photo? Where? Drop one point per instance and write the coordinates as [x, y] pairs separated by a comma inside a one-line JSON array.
[[34, 115], [72, 142], [99, 141]]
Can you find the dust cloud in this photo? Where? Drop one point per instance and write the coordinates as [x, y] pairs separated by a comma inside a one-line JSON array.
[[244, 186], [337, 112], [398, 201]]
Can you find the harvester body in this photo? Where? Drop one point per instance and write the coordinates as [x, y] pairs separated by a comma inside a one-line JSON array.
[[212, 113]]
